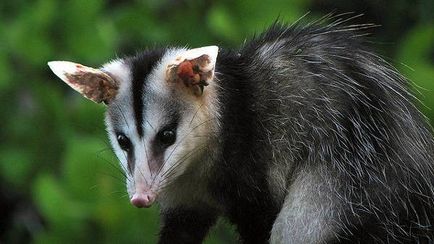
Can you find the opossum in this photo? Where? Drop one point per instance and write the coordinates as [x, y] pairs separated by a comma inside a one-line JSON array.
[[302, 135]]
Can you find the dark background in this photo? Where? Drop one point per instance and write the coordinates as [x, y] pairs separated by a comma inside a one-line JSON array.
[[59, 181]]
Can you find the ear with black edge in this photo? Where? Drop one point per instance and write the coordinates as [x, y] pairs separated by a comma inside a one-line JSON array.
[[194, 68], [92, 83]]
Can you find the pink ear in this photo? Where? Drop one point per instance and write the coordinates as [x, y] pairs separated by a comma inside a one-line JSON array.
[[92, 83], [194, 69]]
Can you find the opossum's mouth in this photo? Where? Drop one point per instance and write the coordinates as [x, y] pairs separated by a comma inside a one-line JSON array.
[[143, 199]]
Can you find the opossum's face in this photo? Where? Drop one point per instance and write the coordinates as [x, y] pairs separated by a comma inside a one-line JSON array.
[[160, 116]]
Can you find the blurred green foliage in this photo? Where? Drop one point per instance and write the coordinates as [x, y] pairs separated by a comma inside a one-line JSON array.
[[59, 181]]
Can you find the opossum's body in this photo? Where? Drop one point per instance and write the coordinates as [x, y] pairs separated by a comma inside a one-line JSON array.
[[301, 136]]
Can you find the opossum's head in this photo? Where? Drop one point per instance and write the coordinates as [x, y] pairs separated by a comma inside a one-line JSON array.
[[161, 112]]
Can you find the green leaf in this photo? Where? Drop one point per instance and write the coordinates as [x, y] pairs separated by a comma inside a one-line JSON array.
[[15, 166], [81, 166], [415, 53], [222, 23]]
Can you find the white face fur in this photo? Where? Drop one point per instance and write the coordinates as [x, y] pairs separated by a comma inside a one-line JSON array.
[[178, 116]]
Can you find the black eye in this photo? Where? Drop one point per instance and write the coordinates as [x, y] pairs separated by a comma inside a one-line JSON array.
[[167, 137], [124, 142]]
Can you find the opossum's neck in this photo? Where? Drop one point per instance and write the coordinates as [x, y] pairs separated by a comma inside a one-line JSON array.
[[239, 177], [242, 132]]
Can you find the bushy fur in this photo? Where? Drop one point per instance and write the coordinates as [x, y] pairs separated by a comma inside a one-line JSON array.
[[318, 141], [322, 133]]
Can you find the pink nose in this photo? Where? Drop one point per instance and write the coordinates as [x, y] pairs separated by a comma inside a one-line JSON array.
[[143, 200]]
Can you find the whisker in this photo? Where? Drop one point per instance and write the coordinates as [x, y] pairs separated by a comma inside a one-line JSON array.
[[195, 113], [112, 165], [112, 176], [123, 115], [120, 193], [125, 195], [149, 123], [185, 155], [170, 171], [177, 144]]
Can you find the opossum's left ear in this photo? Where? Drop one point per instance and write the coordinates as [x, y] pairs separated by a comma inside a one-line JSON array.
[[93, 84], [194, 68]]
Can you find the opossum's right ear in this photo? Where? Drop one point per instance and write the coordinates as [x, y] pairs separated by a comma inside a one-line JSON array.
[[92, 83]]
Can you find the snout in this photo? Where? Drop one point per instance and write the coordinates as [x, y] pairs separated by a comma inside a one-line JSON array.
[[143, 199]]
